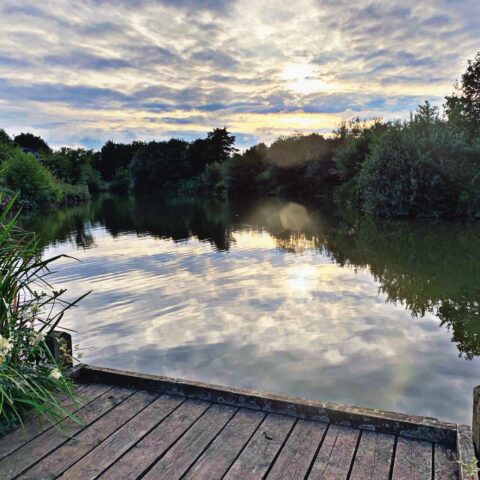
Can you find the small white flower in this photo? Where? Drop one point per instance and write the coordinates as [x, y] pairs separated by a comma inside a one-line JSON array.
[[5, 347], [55, 374], [40, 337]]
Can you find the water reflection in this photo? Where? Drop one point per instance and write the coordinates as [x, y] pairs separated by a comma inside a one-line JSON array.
[[277, 297]]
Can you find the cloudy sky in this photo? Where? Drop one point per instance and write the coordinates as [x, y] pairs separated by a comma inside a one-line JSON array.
[[82, 72]]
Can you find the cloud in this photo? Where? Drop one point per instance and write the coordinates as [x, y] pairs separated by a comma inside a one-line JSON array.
[[261, 68]]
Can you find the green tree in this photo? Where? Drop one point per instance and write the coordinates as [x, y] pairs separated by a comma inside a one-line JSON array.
[[24, 173], [32, 142], [220, 145], [463, 107]]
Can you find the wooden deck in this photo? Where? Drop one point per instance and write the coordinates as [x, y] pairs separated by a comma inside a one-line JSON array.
[[141, 426]]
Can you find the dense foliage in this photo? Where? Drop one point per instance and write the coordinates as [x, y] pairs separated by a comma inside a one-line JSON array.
[[427, 166], [30, 309]]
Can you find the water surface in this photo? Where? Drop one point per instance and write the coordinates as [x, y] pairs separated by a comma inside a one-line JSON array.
[[277, 297]]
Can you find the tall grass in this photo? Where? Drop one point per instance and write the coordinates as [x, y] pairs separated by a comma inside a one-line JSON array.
[[30, 310]]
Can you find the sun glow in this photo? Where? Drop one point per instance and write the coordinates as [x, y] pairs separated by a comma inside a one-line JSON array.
[[302, 78]]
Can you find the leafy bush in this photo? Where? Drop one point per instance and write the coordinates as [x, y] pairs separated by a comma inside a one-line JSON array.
[[24, 173], [121, 181], [73, 194], [29, 375], [421, 169]]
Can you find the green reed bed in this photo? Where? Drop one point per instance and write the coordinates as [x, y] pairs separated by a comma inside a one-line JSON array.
[[30, 310]]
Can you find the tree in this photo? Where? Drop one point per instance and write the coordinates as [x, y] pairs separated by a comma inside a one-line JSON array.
[[4, 137], [220, 145], [114, 156], [159, 163], [464, 105], [32, 142]]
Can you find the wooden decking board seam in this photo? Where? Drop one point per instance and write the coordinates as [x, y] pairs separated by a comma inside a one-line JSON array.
[[139, 439], [247, 441], [394, 455], [211, 441], [312, 463], [107, 437], [432, 475], [280, 449], [53, 425], [355, 455], [146, 470], [68, 438]]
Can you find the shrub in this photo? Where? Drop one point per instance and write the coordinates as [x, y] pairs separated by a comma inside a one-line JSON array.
[[29, 375], [422, 169], [25, 174], [121, 181]]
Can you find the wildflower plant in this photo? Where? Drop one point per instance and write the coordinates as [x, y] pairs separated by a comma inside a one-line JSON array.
[[30, 310]]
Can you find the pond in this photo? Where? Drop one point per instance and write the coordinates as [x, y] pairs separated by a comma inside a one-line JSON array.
[[275, 296]]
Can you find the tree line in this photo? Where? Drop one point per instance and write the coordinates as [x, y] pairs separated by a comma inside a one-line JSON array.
[[426, 166]]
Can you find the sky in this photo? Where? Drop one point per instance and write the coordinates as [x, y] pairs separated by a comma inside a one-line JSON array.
[[79, 73]]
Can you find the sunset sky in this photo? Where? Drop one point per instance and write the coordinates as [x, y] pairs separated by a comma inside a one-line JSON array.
[[80, 73]]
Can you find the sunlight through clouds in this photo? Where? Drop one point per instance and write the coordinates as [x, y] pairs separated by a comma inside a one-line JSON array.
[[149, 69]]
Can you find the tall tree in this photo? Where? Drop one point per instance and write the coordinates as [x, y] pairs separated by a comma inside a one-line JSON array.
[[464, 105], [220, 145], [32, 142]]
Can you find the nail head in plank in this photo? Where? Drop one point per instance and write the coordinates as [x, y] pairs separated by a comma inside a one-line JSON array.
[[298, 453], [413, 460], [156, 443], [191, 445], [374, 456], [336, 453], [100, 458], [64, 457], [219, 456], [255, 460]]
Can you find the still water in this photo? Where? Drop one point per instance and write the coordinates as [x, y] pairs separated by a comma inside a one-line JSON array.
[[277, 297]]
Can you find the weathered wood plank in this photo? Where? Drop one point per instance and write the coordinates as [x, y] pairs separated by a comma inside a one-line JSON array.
[[34, 424], [255, 460], [445, 463], [156, 443], [26, 456], [336, 454], [374, 456], [218, 458], [425, 428], [64, 457], [466, 454], [122, 440], [191, 445], [413, 460], [298, 453]]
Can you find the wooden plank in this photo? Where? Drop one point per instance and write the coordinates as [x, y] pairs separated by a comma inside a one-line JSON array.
[[336, 453], [64, 457], [445, 463], [218, 458], [35, 425], [261, 450], [122, 440], [374, 456], [466, 454], [26, 456], [413, 460], [425, 428], [298, 453], [184, 453], [156, 443]]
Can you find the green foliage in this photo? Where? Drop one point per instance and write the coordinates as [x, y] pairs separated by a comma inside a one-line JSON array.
[[71, 165], [463, 107], [220, 145], [421, 169], [158, 164], [29, 375], [114, 156], [121, 181], [32, 143], [22, 172], [213, 179]]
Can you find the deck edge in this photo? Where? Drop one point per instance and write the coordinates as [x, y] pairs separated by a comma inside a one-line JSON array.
[[412, 426]]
